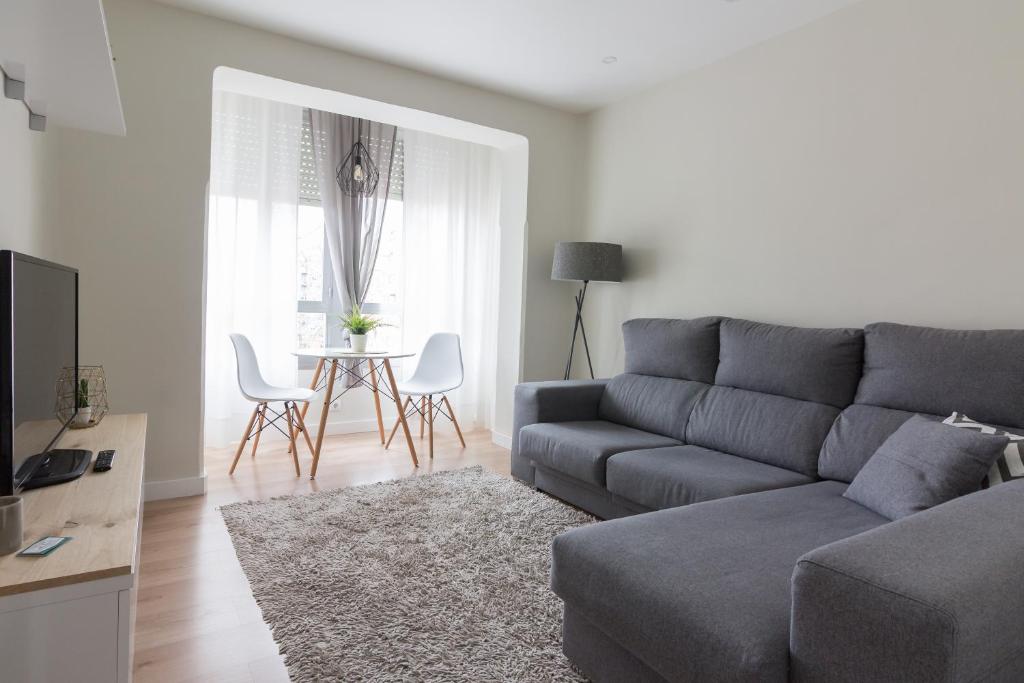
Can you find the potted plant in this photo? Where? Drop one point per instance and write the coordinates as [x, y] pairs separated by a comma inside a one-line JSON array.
[[84, 415], [358, 326]]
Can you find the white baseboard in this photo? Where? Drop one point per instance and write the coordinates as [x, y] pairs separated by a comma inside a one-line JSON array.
[[175, 488], [333, 429], [355, 426], [503, 440]]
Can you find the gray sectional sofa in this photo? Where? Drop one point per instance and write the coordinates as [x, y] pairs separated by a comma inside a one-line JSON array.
[[720, 458]]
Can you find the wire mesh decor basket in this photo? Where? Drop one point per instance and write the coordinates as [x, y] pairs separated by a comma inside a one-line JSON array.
[[90, 395]]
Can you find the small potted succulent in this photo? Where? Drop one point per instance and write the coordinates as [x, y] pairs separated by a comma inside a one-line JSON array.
[[84, 416], [358, 326]]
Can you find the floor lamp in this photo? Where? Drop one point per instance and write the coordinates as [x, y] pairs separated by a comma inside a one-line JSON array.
[[585, 262]]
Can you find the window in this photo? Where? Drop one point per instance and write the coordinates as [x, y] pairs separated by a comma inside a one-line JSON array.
[[318, 303], [313, 270]]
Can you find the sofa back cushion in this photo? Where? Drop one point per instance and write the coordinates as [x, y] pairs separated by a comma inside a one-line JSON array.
[[928, 370], [777, 430], [654, 404], [854, 438], [680, 349], [810, 364], [856, 435]]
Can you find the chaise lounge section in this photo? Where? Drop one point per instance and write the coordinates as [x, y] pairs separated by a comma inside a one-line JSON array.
[[735, 441]]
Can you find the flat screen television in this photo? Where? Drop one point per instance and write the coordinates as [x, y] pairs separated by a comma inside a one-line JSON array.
[[38, 341]]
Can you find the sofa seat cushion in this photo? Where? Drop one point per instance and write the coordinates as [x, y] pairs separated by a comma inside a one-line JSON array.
[[702, 593], [580, 449], [669, 477]]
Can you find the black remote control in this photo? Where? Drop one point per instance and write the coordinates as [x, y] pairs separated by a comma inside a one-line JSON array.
[[104, 461]]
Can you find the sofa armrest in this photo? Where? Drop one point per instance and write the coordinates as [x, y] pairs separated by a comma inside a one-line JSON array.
[[559, 401], [935, 596]]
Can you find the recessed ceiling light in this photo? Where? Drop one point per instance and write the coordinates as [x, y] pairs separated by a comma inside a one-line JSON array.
[[610, 59]]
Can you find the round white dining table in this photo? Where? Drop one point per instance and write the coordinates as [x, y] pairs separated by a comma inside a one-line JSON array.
[[367, 369]]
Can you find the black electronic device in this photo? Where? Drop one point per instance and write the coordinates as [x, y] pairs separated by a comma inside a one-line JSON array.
[[38, 342], [104, 461]]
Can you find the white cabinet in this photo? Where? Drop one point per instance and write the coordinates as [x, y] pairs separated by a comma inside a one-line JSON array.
[[63, 637], [70, 616]]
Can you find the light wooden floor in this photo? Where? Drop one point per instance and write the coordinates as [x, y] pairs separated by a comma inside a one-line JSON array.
[[197, 619]]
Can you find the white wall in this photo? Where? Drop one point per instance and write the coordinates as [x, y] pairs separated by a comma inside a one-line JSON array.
[[27, 183], [135, 206], [868, 166]]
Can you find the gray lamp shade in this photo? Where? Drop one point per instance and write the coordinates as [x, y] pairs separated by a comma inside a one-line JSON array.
[[587, 261]]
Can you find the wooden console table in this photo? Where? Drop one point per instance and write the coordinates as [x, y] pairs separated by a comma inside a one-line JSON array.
[[70, 616]]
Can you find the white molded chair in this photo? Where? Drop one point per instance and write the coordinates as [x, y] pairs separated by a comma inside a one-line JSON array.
[[439, 371], [256, 389]]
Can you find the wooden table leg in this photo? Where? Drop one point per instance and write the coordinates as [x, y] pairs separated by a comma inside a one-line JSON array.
[[376, 399], [312, 385], [394, 430], [328, 395], [401, 413]]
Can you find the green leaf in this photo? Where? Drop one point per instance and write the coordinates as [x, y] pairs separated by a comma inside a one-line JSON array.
[[358, 323]]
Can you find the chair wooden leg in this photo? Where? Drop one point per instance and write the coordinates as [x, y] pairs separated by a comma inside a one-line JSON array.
[[301, 426], [259, 427], [430, 420], [398, 423], [245, 438], [291, 438], [422, 411], [451, 411]]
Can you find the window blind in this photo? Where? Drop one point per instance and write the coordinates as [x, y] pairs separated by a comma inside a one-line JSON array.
[[246, 151]]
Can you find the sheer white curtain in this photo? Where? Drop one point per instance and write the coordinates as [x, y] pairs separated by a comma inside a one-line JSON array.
[[251, 281], [451, 195]]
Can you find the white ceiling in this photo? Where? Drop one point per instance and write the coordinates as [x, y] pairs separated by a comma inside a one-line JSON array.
[[551, 51]]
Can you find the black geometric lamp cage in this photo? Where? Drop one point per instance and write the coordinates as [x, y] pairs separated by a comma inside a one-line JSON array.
[[357, 174]]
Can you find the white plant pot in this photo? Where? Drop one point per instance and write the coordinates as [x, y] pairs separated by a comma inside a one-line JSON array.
[[358, 342], [84, 416]]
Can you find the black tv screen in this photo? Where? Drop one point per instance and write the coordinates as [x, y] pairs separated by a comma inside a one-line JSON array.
[[39, 340]]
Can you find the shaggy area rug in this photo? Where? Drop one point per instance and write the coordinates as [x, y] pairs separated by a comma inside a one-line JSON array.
[[442, 577]]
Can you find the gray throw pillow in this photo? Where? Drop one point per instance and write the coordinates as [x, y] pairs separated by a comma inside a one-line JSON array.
[[924, 463]]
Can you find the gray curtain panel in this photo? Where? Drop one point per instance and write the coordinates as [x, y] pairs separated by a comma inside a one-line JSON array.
[[353, 224]]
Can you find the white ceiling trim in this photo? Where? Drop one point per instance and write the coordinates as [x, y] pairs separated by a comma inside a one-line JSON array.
[[299, 94], [550, 51]]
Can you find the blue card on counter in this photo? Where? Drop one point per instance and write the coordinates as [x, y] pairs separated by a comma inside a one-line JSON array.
[[44, 546]]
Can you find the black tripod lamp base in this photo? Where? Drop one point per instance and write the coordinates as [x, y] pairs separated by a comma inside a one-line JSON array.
[[578, 328]]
